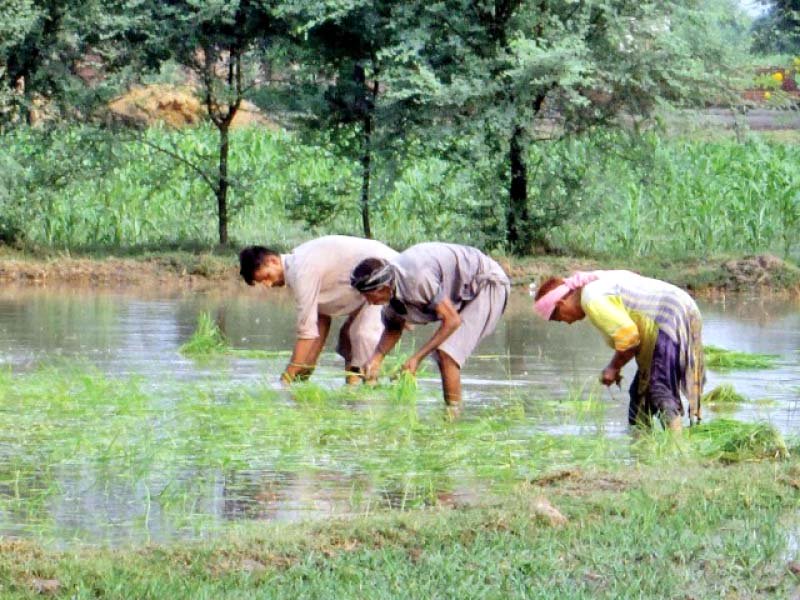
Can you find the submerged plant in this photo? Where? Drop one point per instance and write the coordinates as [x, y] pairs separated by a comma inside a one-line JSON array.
[[720, 358]]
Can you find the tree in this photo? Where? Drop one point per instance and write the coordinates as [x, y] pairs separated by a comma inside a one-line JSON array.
[[44, 47], [222, 43], [502, 68], [356, 47], [778, 29]]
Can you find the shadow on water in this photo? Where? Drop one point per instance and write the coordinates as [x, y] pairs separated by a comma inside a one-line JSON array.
[[128, 441]]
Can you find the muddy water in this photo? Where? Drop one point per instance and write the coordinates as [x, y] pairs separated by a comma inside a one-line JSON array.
[[525, 360]]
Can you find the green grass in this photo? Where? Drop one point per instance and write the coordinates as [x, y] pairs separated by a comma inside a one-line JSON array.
[[652, 532], [722, 359], [730, 441], [439, 507]]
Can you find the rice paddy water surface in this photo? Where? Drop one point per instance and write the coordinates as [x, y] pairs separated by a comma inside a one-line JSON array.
[[108, 434]]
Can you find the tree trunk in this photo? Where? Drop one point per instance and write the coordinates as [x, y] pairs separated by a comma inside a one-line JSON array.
[[366, 158], [222, 187], [517, 215], [365, 102]]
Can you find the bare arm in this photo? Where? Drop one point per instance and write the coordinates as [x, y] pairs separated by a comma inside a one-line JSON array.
[[450, 321], [620, 359], [306, 352], [389, 339]]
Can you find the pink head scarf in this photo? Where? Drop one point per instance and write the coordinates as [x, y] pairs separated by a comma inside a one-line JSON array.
[[545, 305]]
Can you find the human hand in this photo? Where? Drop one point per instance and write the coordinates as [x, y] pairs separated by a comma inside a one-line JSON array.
[[372, 369], [610, 375], [411, 365], [286, 379]]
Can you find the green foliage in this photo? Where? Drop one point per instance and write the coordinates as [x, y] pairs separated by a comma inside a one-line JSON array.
[[62, 57], [718, 196], [722, 359], [682, 198], [518, 72], [778, 29]]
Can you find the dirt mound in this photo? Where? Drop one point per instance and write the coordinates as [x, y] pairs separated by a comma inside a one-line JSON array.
[[176, 106], [760, 270]]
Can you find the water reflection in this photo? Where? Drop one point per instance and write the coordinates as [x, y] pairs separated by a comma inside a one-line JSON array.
[[182, 490]]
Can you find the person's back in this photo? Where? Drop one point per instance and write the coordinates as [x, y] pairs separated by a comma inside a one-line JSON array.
[[653, 304], [318, 276], [319, 271], [431, 271]]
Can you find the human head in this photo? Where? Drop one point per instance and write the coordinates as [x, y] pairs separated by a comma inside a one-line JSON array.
[[258, 264], [563, 303], [374, 279]]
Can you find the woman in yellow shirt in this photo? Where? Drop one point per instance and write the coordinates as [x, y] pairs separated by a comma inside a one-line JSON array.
[[652, 321]]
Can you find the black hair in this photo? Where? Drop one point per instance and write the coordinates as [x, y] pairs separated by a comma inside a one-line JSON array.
[[251, 259], [366, 268]]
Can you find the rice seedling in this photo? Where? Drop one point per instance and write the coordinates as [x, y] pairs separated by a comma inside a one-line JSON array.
[[732, 441], [71, 437], [723, 394], [208, 341], [720, 358], [405, 387]]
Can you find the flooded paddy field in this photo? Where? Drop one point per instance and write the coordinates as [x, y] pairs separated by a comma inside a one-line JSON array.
[[109, 435]]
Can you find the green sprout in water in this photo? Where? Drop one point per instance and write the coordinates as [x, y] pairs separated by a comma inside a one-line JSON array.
[[720, 358], [208, 341]]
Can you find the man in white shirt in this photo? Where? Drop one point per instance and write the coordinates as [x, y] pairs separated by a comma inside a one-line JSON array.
[[318, 275]]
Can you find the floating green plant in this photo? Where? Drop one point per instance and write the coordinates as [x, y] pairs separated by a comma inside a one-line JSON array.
[[720, 358], [723, 394]]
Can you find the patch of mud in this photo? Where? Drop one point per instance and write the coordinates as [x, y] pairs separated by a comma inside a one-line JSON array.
[[762, 270], [175, 106], [116, 271], [579, 482]]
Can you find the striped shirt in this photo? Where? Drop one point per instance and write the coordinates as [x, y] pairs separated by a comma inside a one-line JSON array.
[[630, 310]]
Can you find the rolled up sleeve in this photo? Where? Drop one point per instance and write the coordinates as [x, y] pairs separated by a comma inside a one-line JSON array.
[[306, 295]]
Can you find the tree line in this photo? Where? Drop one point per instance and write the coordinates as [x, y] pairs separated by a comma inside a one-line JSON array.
[[469, 77]]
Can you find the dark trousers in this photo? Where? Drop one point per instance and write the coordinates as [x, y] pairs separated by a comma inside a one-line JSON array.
[[662, 396]]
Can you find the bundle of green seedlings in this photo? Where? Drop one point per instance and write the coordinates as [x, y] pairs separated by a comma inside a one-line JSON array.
[[208, 341], [720, 358], [723, 398]]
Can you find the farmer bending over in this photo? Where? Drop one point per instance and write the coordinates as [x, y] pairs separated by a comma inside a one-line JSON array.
[[318, 275], [651, 320], [458, 286]]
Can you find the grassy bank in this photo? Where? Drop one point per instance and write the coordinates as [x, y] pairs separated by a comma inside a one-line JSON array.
[[214, 266], [684, 531]]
